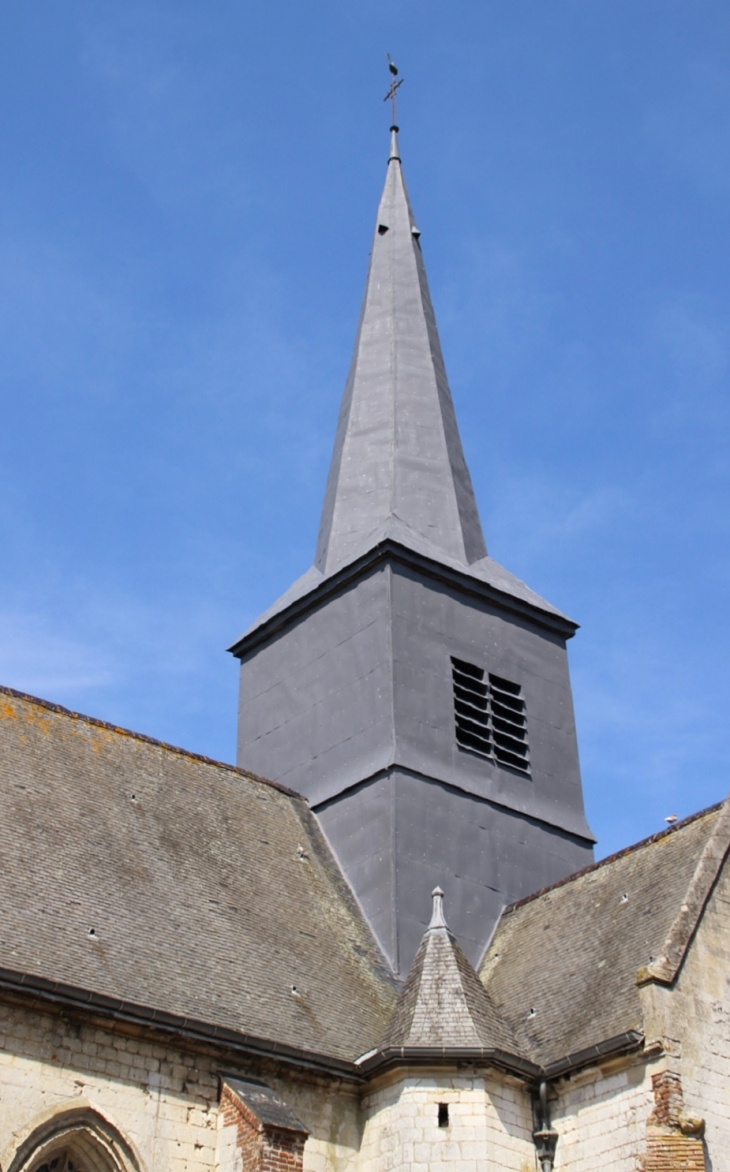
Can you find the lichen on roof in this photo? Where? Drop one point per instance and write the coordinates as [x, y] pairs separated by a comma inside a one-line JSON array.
[[142, 873], [442, 1003], [562, 966]]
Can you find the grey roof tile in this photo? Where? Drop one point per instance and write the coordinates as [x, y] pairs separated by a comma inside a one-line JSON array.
[[146, 874], [443, 1003], [397, 450], [398, 470], [562, 966]]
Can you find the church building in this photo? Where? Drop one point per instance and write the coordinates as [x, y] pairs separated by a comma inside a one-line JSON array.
[[380, 942]]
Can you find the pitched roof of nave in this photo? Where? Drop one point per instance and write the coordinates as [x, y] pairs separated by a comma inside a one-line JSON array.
[[152, 883], [565, 965], [153, 877]]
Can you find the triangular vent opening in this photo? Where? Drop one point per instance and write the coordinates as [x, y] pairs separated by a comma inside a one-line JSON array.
[[490, 718]]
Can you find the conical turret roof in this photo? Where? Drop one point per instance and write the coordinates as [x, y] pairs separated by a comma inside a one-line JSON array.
[[398, 460], [443, 1003]]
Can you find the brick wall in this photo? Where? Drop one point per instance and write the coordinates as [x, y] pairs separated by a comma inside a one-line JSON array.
[[671, 1146], [262, 1148]]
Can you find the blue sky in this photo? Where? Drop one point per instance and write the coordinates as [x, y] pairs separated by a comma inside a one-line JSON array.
[[186, 205]]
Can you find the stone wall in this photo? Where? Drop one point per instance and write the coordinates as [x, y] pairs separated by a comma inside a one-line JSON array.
[[161, 1100], [600, 1117], [406, 1127], [692, 1022]]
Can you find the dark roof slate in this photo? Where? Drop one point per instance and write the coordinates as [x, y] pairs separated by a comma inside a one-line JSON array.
[[149, 875], [443, 1004], [264, 1103], [562, 966], [397, 451], [487, 572]]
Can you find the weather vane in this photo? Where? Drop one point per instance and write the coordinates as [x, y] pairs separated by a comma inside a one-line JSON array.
[[393, 87]]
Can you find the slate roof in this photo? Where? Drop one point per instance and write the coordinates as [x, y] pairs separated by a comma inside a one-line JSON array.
[[397, 450], [443, 1005], [156, 878], [562, 966], [268, 1107], [486, 571]]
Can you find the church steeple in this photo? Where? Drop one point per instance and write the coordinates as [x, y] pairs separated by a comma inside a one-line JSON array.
[[412, 689], [398, 467]]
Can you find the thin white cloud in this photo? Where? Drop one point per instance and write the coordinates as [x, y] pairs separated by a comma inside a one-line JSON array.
[[37, 659], [538, 514]]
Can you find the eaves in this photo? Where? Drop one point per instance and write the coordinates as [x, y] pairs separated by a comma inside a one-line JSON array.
[[393, 551]]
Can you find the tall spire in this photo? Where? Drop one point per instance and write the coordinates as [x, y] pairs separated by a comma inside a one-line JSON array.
[[351, 684], [398, 468]]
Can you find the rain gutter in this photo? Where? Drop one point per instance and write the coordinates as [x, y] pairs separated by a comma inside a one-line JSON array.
[[389, 549], [74, 998], [381, 1060]]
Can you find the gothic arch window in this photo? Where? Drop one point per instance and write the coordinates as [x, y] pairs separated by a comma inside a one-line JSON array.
[[76, 1140], [64, 1160]]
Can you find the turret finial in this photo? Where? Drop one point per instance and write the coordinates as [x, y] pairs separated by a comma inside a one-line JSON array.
[[437, 915]]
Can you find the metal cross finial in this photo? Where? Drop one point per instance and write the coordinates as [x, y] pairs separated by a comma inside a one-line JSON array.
[[393, 87]]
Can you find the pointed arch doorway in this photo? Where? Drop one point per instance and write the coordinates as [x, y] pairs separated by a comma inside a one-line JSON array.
[[76, 1140]]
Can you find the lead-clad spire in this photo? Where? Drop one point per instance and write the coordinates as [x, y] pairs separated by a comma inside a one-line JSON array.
[[398, 468], [347, 682]]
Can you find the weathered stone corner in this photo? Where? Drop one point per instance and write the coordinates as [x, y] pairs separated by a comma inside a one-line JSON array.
[[673, 1136]]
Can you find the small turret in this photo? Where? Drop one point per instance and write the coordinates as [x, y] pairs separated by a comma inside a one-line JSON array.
[[443, 1003]]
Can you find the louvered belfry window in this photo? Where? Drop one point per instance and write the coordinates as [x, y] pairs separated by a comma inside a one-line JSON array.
[[490, 716]]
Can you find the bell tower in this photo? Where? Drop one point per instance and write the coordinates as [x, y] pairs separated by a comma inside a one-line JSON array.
[[412, 689]]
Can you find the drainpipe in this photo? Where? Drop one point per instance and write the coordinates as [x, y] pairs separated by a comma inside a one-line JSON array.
[[544, 1136]]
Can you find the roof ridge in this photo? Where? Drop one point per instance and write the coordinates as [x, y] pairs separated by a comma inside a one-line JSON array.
[[499, 585], [400, 1022], [127, 732], [627, 850], [480, 1005]]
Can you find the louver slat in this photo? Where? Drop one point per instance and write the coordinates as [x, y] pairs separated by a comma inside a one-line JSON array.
[[489, 715]]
